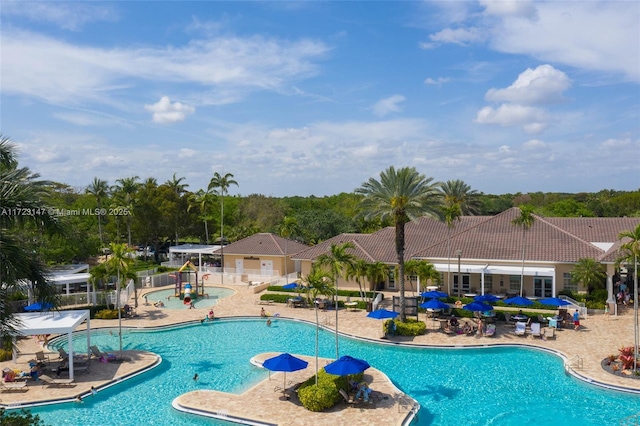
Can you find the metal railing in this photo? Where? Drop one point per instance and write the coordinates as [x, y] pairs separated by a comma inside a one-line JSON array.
[[580, 306], [575, 363]]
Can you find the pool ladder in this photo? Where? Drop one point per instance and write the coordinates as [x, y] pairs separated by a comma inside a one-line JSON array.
[[406, 404], [575, 362]]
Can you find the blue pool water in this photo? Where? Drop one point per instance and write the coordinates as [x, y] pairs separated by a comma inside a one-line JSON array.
[[215, 293], [490, 386]]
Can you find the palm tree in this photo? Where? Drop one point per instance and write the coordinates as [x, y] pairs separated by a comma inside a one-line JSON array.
[[357, 271], [220, 185], [288, 228], [403, 195], [377, 273], [631, 247], [450, 214], [525, 220], [458, 192], [20, 189], [337, 260], [100, 189], [179, 188], [119, 264], [423, 270], [318, 283], [126, 191], [591, 273], [203, 200]]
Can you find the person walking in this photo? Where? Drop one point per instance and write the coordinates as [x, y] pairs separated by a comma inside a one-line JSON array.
[[576, 320]]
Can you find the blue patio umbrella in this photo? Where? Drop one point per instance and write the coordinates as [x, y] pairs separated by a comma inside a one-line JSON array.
[[434, 304], [518, 300], [346, 365], [432, 294], [38, 306], [286, 363], [477, 307], [290, 286], [554, 301], [486, 298], [382, 314]]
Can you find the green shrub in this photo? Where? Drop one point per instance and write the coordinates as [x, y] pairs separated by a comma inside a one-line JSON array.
[[107, 314], [326, 394], [5, 355], [278, 298], [409, 328]]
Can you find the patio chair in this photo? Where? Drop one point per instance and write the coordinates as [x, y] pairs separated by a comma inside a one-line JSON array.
[[11, 386], [549, 333], [521, 329], [535, 330], [63, 354], [41, 357], [101, 356], [56, 382]]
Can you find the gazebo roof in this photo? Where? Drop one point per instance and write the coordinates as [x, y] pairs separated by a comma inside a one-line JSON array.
[[52, 322]]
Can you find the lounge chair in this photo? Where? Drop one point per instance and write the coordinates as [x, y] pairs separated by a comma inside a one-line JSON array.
[[521, 328], [549, 333], [56, 382], [63, 354], [535, 330], [346, 397], [11, 386], [490, 330], [101, 356]]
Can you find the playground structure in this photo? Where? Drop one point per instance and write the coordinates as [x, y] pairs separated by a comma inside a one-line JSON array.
[[187, 274]]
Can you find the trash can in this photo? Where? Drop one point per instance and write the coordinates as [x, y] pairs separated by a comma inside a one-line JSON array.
[[369, 306]]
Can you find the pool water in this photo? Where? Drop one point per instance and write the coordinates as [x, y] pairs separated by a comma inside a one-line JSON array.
[[171, 302], [489, 386]]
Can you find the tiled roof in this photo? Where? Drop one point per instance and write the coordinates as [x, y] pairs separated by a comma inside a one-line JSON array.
[[264, 244], [556, 240]]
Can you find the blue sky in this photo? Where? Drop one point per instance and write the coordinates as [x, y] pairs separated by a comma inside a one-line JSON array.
[[313, 98]]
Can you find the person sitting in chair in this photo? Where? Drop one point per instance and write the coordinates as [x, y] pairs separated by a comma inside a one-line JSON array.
[[466, 329], [363, 392], [453, 322]]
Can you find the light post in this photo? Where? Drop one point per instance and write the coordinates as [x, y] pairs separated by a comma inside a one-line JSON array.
[[459, 255]]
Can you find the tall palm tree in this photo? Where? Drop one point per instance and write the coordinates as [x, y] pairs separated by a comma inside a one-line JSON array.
[[220, 185], [99, 188], [318, 283], [288, 228], [203, 200], [458, 192], [591, 273], [21, 190], [631, 248], [524, 220], [179, 188], [451, 213], [403, 195], [357, 271], [126, 191], [337, 260], [120, 264], [422, 269]]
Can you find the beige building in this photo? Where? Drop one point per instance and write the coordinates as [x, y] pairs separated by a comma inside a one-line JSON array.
[[485, 253]]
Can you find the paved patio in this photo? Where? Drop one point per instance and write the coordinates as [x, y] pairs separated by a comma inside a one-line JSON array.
[[597, 338]]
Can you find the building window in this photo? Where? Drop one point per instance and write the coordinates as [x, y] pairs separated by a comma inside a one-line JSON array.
[[514, 283], [568, 283]]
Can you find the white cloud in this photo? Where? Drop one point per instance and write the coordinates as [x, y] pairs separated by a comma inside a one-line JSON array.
[[388, 105], [437, 82], [165, 112], [302, 133], [542, 85], [531, 119], [57, 71], [69, 16], [534, 144], [187, 153], [461, 36], [517, 8]]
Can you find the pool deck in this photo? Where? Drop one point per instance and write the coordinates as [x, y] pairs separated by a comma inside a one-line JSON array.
[[597, 338]]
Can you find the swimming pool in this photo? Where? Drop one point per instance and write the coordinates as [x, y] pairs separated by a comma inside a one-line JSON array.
[[167, 296], [490, 386]]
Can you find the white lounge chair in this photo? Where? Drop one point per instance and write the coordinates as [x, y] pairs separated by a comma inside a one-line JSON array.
[[535, 330], [521, 329], [56, 382], [11, 386], [490, 330], [549, 333]]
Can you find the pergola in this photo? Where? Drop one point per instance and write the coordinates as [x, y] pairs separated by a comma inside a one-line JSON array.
[[55, 322]]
